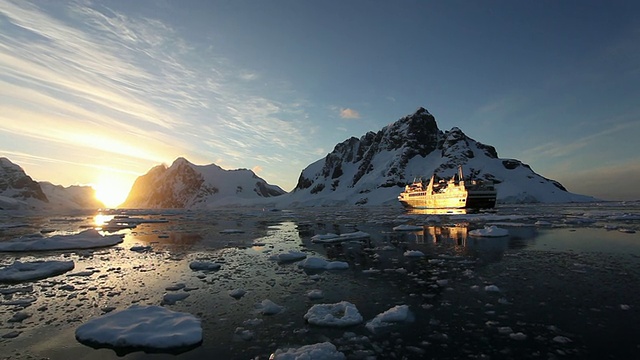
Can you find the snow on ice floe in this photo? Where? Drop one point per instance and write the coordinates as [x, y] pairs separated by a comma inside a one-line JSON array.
[[489, 231], [86, 239], [406, 227], [395, 315], [324, 351], [332, 238], [413, 253], [19, 271], [316, 263], [148, 327], [268, 307], [172, 298], [237, 293], [204, 266], [339, 314], [315, 294], [289, 256]]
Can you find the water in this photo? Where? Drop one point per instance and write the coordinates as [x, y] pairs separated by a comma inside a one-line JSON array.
[[569, 286]]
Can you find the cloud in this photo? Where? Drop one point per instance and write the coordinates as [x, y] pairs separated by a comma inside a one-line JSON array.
[[100, 82], [257, 169], [347, 113]]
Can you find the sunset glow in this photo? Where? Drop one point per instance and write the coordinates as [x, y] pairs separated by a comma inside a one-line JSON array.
[[112, 189]]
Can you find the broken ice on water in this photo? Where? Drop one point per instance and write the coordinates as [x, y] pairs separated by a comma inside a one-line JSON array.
[[344, 284]]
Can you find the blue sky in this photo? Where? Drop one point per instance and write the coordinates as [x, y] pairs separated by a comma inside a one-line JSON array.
[[98, 92]]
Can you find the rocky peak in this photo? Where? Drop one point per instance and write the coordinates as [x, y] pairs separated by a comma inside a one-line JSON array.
[[15, 183]]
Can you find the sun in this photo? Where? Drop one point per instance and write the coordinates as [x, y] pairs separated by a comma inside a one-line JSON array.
[[112, 189]]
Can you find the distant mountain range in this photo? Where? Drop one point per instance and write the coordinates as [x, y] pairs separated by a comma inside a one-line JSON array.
[[19, 191], [370, 170]]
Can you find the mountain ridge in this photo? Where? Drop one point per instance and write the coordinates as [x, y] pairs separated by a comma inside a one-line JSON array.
[[18, 191], [374, 168], [186, 185]]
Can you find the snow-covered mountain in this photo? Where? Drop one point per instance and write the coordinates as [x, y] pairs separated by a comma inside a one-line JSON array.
[[19, 191], [375, 168], [185, 185]]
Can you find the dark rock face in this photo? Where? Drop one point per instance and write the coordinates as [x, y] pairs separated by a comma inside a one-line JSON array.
[[164, 187], [375, 168], [410, 136], [15, 183]]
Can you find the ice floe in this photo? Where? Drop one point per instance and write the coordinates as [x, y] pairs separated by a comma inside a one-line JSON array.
[[148, 327], [316, 263], [489, 231], [339, 314], [320, 351], [172, 298], [237, 293], [86, 239], [405, 227], [331, 238], [26, 271], [268, 307], [289, 256], [395, 315], [204, 265], [413, 253]]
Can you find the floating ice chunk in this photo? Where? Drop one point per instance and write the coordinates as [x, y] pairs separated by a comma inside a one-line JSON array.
[[489, 231], [244, 334], [324, 351], [397, 314], [175, 287], [340, 314], [231, 231], [149, 327], [337, 265], [542, 223], [355, 235], [315, 294], [140, 248], [323, 237], [413, 253], [562, 339], [624, 307], [19, 271], [268, 307], [491, 288], [627, 230], [19, 316], [505, 330], [172, 298], [442, 282], [237, 293], [405, 227], [204, 265], [332, 238], [518, 336], [19, 302], [371, 271], [290, 256], [87, 239], [316, 263]]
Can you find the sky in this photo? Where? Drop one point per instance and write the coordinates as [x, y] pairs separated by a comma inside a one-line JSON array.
[[98, 92]]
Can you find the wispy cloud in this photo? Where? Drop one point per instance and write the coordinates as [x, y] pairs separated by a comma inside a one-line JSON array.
[[133, 87], [347, 113], [556, 149]]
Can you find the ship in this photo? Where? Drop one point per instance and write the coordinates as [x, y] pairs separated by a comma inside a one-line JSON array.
[[456, 193]]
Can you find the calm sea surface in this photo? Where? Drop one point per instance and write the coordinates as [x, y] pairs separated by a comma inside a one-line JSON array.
[[564, 284]]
